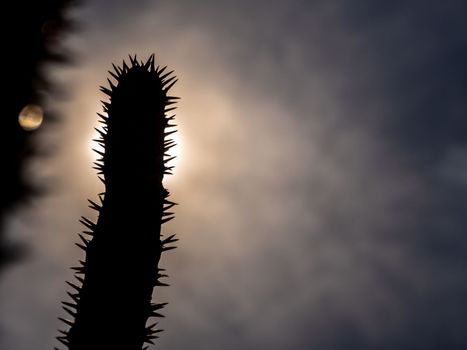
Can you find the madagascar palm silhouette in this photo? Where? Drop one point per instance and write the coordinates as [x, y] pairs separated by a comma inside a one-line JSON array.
[[31, 34], [112, 305]]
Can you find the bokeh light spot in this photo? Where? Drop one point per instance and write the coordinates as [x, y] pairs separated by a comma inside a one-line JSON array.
[[31, 117]]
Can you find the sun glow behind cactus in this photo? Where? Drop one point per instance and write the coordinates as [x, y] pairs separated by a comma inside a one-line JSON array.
[[175, 151], [91, 146]]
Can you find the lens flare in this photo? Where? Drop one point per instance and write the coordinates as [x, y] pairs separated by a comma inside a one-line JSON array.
[[31, 117]]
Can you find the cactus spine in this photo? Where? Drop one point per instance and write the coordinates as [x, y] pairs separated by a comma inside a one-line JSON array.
[[111, 307]]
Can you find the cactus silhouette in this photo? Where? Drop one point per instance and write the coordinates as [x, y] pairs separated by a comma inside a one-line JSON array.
[[111, 308]]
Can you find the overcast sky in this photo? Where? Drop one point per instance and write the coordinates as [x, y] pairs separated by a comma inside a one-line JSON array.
[[322, 174]]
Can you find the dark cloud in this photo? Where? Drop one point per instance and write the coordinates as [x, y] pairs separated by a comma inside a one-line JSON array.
[[421, 49]]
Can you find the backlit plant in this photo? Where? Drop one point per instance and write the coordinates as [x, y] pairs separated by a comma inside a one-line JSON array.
[[112, 301]]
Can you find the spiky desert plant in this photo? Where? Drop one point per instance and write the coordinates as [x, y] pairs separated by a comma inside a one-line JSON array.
[[111, 308]]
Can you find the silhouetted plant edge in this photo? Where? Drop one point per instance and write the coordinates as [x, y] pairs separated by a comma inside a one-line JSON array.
[[94, 303]]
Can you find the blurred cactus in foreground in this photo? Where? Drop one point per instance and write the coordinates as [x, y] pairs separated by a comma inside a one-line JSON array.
[[112, 306], [32, 39]]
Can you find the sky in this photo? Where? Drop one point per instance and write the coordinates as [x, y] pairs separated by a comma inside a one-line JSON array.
[[321, 174]]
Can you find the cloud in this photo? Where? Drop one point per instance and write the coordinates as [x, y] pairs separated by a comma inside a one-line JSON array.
[[313, 213]]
